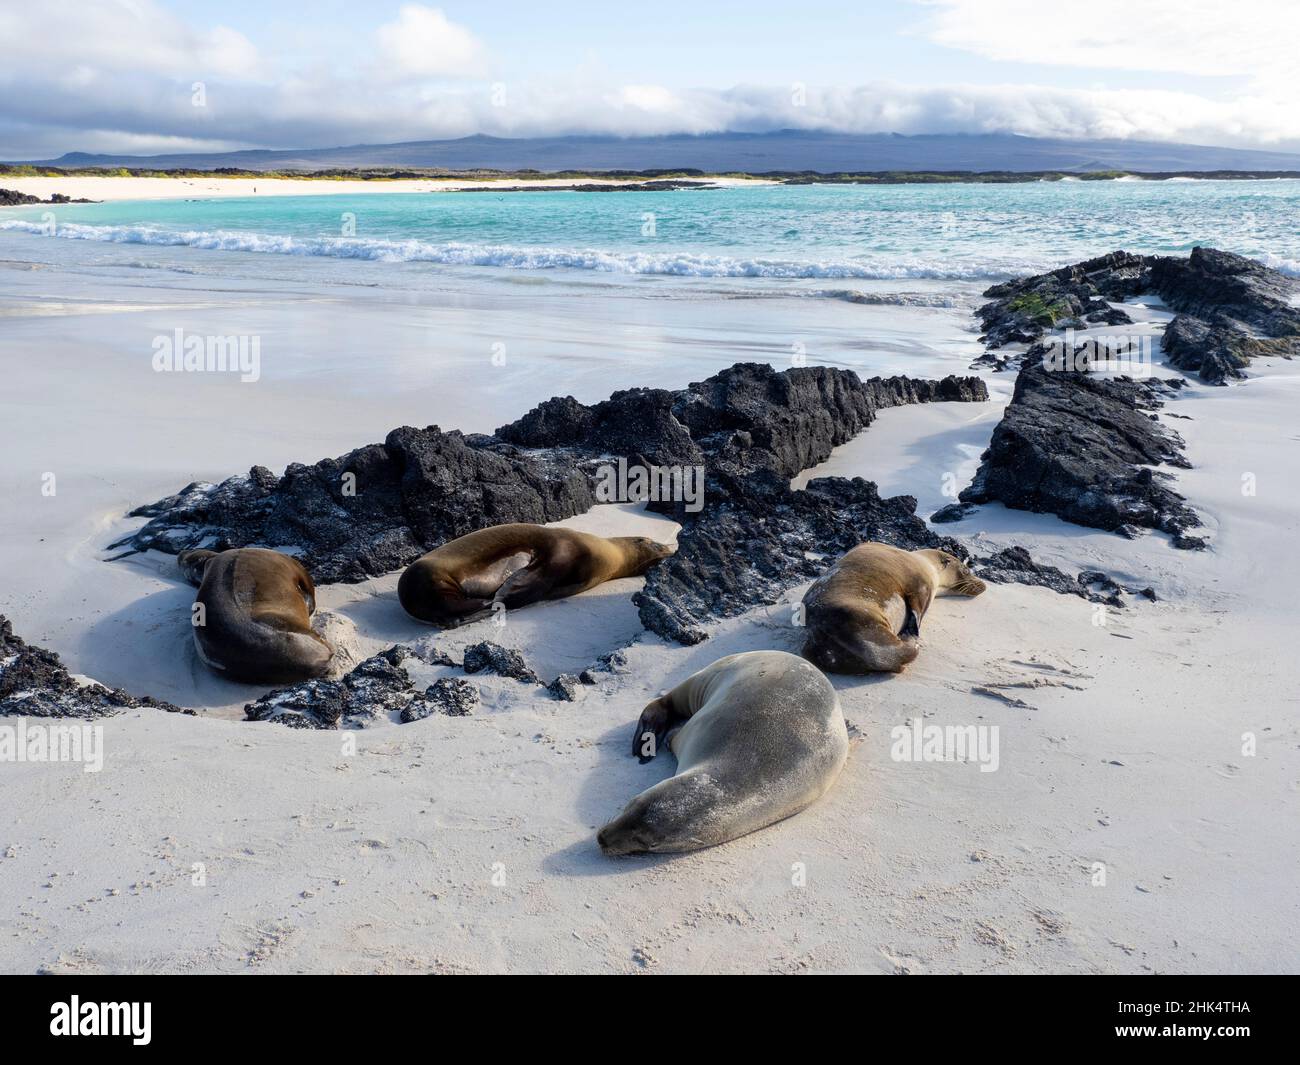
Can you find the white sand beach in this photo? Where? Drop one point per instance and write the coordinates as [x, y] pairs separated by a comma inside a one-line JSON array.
[[109, 189], [468, 844]]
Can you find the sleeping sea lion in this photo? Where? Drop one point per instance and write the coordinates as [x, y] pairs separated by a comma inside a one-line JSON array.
[[516, 565], [758, 737], [863, 615], [255, 625]]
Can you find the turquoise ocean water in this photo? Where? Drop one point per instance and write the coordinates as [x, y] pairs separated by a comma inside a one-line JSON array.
[[939, 232]]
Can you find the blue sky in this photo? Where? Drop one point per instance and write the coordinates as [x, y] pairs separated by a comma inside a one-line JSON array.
[[118, 75]]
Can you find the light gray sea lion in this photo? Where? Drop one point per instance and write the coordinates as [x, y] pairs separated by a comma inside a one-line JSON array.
[[516, 565], [758, 737], [863, 615], [256, 618]]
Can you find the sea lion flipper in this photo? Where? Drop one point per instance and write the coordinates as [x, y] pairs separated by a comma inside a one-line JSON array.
[[911, 625], [917, 602], [528, 585]]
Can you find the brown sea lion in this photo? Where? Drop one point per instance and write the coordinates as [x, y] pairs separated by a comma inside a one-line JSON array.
[[758, 737], [516, 565], [863, 615], [255, 622]]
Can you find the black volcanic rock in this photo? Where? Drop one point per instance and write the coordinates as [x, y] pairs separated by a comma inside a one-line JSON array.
[[35, 683], [564, 687], [952, 512], [1013, 565], [12, 198], [750, 427], [1210, 282], [1024, 309], [449, 696], [488, 657], [377, 686], [372, 511], [558, 422], [375, 691], [378, 508], [1081, 446], [1232, 309], [749, 416]]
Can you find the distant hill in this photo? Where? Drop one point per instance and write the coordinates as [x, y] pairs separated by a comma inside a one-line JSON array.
[[783, 150]]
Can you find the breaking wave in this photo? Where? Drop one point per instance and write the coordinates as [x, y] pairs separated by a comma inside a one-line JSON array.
[[677, 264]]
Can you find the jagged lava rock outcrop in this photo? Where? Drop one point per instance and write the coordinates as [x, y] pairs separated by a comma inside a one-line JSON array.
[[748, 417], [1081, 446], [371, 511], [378, 508], [1232, 308]]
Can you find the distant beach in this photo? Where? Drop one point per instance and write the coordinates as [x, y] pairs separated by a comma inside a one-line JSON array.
[[112, 189]]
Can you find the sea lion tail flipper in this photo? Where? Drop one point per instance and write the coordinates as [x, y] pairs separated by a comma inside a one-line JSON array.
[[911, 625], [531, 584], [917, 602], [308, 592]]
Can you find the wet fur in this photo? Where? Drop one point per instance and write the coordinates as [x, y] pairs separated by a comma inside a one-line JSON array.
[[258, 606], [864, 614], [516, 565]]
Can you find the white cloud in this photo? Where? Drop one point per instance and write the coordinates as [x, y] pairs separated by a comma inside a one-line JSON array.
[[424, 43], [90, 40], [1256, 39], [118, 75]]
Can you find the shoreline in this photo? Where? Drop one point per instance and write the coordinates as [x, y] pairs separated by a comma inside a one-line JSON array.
[[106, 189], [197, 185]]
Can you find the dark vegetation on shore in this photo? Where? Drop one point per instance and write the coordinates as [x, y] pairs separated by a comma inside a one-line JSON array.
[[669, 177]]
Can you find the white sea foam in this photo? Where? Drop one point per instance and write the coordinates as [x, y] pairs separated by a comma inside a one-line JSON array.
[[678, 264], [889, 299], [1281, 264]]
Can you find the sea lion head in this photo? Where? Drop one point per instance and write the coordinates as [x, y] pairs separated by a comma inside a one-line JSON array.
[[626, 834], [192, 564], [676, 814], [642, 553], [423, 590], [953, 574], [645, 825]]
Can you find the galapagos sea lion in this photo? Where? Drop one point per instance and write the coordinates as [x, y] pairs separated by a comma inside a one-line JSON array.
[[516, 565], [863, 615], [256, 620], [758, 737]]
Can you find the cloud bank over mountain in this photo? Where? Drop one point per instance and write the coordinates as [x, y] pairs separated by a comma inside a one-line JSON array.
[[131, 76]]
